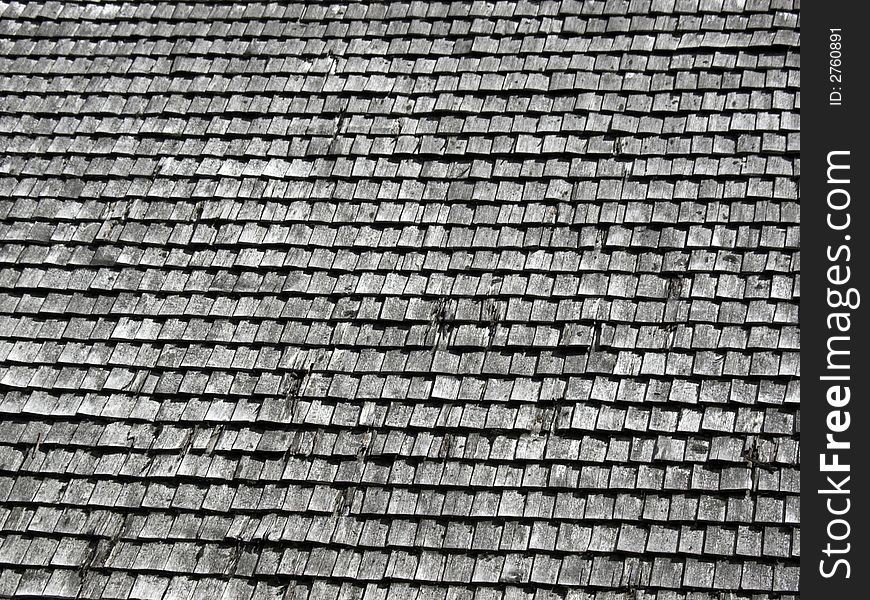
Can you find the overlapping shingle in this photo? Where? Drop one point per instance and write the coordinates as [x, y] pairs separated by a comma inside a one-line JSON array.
[[436, 300]]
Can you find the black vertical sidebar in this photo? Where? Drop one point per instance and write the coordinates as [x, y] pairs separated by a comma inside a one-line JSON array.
[[835, 300]]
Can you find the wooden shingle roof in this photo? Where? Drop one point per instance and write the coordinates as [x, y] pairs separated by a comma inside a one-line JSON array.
[[409, 300]]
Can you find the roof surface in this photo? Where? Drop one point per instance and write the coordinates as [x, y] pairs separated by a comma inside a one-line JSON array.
[[418, 301]]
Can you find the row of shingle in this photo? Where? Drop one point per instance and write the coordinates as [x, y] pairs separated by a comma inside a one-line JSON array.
[[86, 502], [478, 18], [31, 502], [342, 388], [338, 386], [710, 12], [56, 363], [461, 319], [499, 358], [664, 462], [707, 364], [503, 473], [82, 499], [338, 137], [256, 414], [112, 156], [750, 448], [239, 56], [341, 156], [257, 125], [172, 334], [325, 407], [309, 111], [252, 38], [86, 512], [517, 190], [318, 44], [593, 540], [305, 261], [620, 174], [313, 181], [323, 413], [631, 539], [584, 345], [689, 280], [276, 57], [565, 253], [224, 559], [438, 200], [198, 485], [711, 343], [507, 437], [467, 299], [544, 74], [517, 459], [402, 293], [375, 11], [344, 575], [698, 296], [678, 272], [680, 277], [677, 174], [266, 35], [496, 410], [330, 179], [664, 159], [671, 87], [68, 583], [269, 221], [685, 281]]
